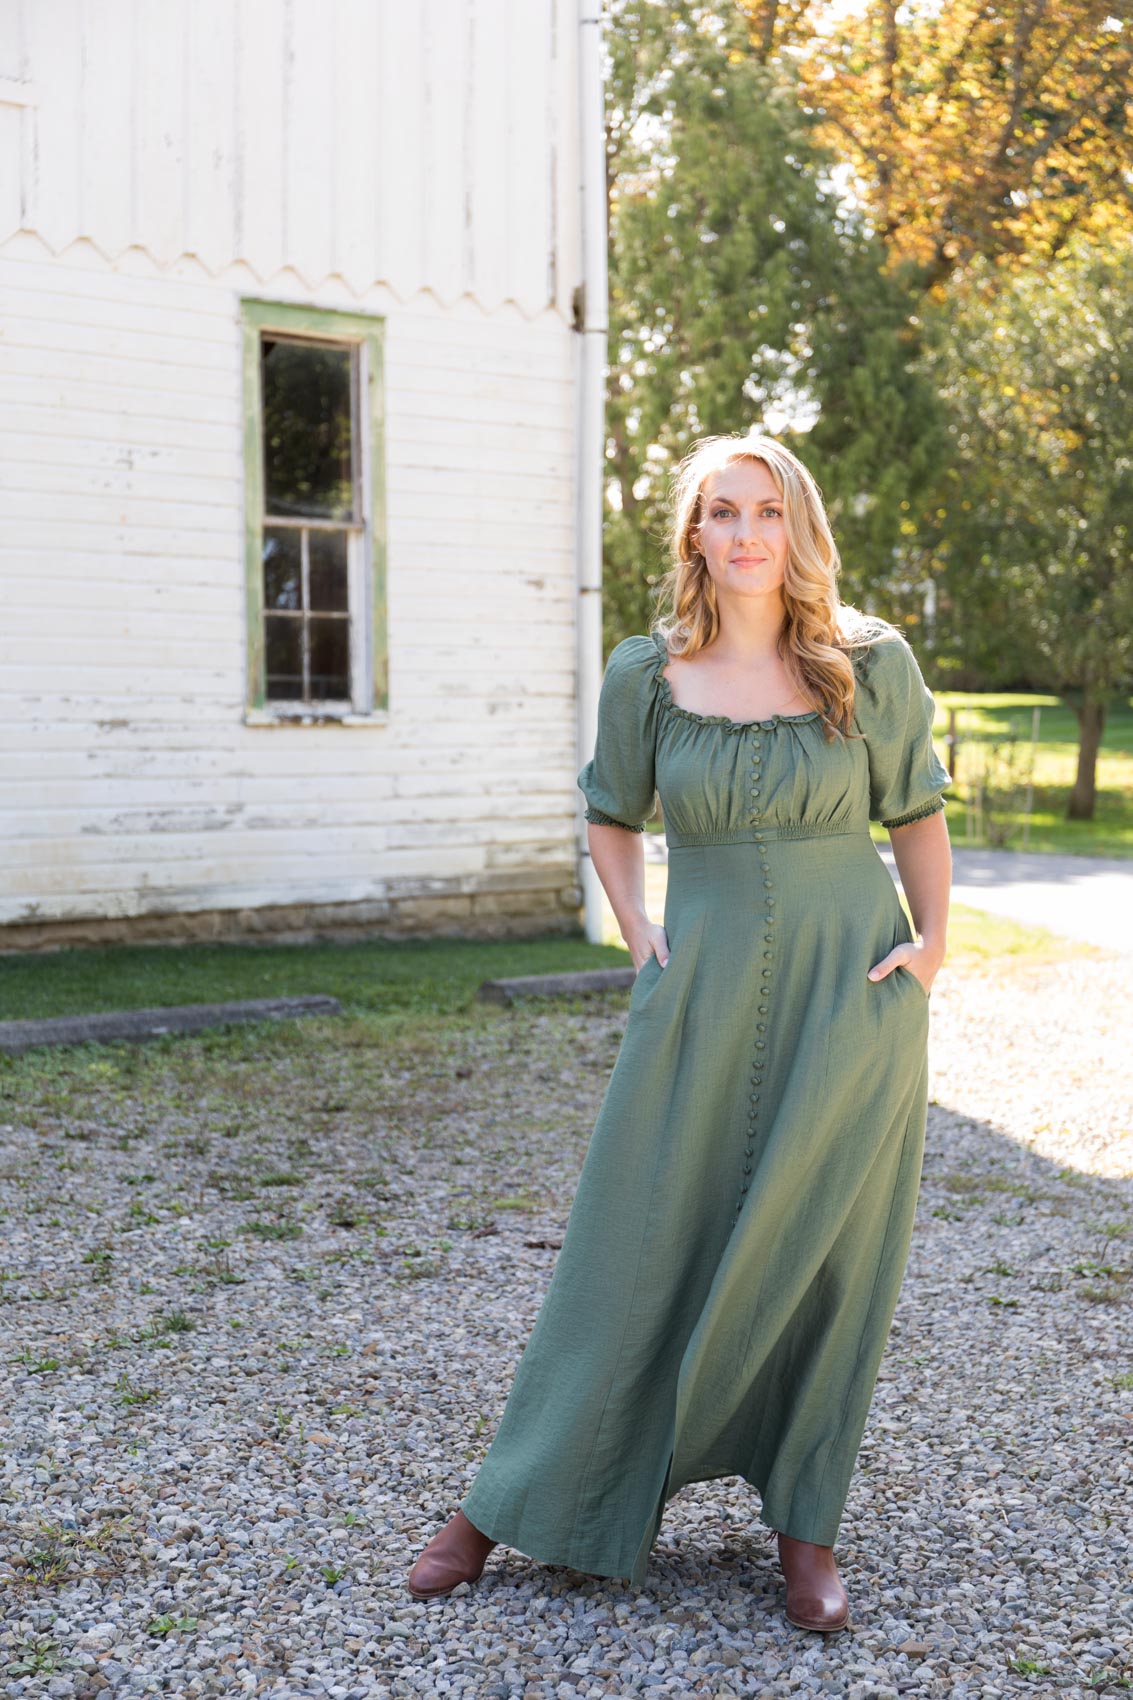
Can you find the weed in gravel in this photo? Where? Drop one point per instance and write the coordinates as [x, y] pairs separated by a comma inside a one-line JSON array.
[[230, 1186], [38, 1657], [34, 1365], [959, 1182], [46, 1564], [128, 1394], [219, 1269], [1110, 1230], [57, 1554], [470, 1224], [346, 1215], [416, 1264], [160, 1327], [100, 1258], [1028, 1667], [165, 1625], [1017, 1189], [1111, 1293], [273, 1230]]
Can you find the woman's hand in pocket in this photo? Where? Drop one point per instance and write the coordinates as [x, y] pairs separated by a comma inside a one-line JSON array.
[[649, 940], [912, 956]]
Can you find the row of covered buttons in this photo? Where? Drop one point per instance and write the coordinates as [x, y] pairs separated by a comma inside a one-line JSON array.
[[765, 975]]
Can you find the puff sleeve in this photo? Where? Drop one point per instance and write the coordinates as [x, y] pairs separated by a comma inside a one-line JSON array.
[[618, 781], [894, 709]]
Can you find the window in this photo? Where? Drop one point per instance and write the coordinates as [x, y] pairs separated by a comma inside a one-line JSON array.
[[314, 505]]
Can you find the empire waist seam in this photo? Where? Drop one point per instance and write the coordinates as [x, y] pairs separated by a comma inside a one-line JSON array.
[[755, 834]]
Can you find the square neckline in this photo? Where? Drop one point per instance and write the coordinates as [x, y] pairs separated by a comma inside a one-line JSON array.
[[661, 645]]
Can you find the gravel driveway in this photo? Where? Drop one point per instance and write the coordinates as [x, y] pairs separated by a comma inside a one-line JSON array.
[[262, 1297]]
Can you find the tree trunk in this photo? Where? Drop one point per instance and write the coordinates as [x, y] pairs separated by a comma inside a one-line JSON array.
[[1091, 723]]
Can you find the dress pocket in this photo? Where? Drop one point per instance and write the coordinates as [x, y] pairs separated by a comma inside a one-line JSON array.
[[917, 982], [647, 972]]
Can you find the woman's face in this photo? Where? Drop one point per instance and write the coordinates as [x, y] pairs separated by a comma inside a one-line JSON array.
[[743, 533]]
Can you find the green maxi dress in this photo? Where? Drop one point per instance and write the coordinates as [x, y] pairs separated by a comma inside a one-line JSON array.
[[741, 1224]]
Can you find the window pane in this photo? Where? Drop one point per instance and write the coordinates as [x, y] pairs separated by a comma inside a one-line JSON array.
[[284, 633], [330, 658], [307, 429], [283, 573], [328, 571]]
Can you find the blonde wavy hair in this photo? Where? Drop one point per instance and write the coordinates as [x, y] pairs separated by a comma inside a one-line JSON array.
[[819, 630]]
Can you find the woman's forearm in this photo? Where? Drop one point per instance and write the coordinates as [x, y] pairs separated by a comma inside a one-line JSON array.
[[619, 861], [923, 854]]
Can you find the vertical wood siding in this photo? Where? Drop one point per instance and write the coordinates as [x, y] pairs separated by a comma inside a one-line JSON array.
[[419, 146]]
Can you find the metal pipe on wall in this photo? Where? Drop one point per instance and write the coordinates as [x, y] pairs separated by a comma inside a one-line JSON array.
[[591, 324]]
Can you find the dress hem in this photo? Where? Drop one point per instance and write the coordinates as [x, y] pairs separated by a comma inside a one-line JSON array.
[[632, 1571]]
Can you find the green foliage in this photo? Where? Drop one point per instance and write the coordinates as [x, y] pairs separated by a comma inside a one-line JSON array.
[[1029, 526], [745, 291]]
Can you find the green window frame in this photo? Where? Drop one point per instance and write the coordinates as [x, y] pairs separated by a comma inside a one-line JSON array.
[[364, 334]]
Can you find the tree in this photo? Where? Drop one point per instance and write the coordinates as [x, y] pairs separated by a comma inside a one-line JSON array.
[[745, 290], [1001, 128], [1031, 525]]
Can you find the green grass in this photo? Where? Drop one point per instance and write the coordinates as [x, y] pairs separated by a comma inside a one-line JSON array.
[[978, 939], [382, 976], [995, 715], [411, 978]]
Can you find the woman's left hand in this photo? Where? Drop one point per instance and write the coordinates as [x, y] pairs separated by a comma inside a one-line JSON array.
[[914, 957]]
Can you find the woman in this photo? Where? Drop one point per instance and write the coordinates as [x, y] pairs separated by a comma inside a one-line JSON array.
[[741, 1224]]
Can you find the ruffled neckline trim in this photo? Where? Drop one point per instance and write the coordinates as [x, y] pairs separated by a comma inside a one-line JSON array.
[[674, 708]]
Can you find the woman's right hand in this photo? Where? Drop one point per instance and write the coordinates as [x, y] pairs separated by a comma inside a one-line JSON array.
[[646, 941]]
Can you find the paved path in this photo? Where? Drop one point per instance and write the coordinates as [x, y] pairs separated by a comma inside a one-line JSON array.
[[1079, 897]]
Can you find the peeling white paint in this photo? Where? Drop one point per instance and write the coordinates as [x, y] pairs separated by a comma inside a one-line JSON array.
[[414, 161]]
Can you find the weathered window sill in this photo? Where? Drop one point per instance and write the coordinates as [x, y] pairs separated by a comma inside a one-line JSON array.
[[283, 716]]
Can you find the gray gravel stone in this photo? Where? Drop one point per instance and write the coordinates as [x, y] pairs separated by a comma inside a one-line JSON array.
[[262, 1298]]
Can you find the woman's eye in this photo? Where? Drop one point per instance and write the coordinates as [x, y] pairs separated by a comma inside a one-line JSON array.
[[723, 513]]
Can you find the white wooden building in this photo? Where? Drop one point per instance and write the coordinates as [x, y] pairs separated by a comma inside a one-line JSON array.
[[300, 415]]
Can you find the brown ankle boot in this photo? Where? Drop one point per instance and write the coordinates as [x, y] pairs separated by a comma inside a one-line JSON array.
[[455, 1554], [816, 1598]]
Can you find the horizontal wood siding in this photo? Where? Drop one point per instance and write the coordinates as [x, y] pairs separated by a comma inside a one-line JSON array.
[[131, 784]]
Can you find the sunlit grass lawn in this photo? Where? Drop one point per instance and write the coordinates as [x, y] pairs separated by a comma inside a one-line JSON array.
[[377, 976], [386, 977], [989, 717]]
